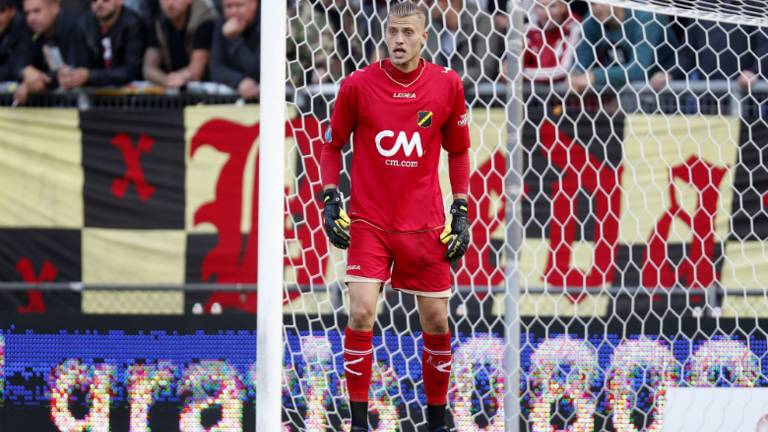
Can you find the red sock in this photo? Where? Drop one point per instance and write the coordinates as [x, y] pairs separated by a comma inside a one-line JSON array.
[[436, 367], [358, 358]]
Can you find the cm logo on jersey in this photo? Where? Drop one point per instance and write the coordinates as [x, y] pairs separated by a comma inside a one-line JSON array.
[[401, 141]]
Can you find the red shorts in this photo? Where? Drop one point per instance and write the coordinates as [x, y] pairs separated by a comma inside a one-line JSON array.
[[415, 261]]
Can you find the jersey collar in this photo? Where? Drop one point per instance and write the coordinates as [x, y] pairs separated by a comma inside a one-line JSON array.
[[399, 77]]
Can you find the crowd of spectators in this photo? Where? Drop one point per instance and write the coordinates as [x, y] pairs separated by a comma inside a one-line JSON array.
[[588, 47], [45, 44]]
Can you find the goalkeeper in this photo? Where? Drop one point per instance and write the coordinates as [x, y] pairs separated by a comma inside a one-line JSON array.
[[401, 110]]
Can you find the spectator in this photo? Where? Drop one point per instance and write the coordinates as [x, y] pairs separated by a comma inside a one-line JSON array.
[[617, 47], [310, 46], [551, 38], [179, 43], [323, 44], [111, 45], [718, 51], [498, 10], [14, 38], [371, 22], [236, 50], [52, 47], [458, 38], [349, 36]]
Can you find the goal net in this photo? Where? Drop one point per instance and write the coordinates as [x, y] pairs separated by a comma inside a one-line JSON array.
[[616, 278]]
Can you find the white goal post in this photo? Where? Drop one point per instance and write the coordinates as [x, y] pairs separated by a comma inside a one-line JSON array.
[[269, 345]]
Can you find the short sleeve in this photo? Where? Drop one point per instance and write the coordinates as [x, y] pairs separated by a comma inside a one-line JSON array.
[[456, 128], [203, 36], [345, 114]]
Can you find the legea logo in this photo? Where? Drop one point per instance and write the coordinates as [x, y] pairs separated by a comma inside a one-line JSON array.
[[402, 141]]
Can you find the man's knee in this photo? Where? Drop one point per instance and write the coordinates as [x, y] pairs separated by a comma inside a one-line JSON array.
[[434, 321], [362, 316], [362, 305], [433, 314]]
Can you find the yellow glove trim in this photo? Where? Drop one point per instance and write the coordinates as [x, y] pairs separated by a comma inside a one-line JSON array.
[[343, 221], [446, 236]]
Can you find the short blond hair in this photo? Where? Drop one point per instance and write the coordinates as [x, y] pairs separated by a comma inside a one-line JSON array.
[[407, 8]]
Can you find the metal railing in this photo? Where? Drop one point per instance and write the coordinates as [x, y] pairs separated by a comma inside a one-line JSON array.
[[137, 95], [684, 97]]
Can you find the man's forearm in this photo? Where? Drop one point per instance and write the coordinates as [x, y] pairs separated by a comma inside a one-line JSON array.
[[151, 69], [154, 74], [226, 75], [458, 174], [330, 166]]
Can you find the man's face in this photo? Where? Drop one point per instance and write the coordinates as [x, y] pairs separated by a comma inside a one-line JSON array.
[[406, 37], [6, 15], [607, 14], [550, 13], [242, 10], [41, 14], [174, 9], [105, 9]]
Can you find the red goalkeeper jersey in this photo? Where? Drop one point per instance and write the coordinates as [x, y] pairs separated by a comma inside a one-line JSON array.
[[399, 123]]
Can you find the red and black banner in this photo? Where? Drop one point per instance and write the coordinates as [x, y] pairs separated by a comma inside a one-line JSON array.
[[170, 197]]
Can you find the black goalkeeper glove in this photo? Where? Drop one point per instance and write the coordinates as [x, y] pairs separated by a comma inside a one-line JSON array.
[[335, 219], [456, 235]]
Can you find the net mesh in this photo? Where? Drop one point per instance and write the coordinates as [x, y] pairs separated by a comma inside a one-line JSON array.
[[640, 214], [737, 12]]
